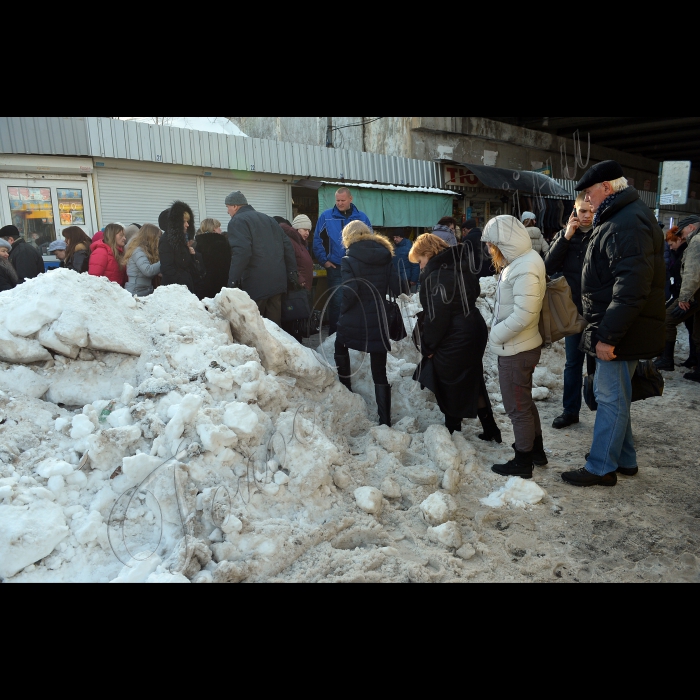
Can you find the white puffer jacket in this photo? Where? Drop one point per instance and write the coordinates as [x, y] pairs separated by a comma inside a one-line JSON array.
[[539, 242], [521, 289]]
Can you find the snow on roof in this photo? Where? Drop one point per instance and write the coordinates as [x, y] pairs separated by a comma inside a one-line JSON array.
[[396, 188], [216, 125]]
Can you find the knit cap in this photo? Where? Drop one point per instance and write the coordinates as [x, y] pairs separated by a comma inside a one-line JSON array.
[[302, 221], [5, 244], [236, 199], [57, 245]]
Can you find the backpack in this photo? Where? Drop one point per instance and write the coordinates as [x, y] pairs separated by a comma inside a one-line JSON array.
[[560, 317]]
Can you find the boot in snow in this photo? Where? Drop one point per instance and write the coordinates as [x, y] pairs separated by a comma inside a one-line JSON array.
[[667, 362], [521, 466], [383, 394], [539, 456], [344, 370], [491, 432]]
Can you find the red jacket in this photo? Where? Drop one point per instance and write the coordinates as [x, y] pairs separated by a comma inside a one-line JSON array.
[[104, 264], [305, 263]]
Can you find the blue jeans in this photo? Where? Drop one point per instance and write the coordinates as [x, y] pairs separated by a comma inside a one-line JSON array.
[[573, 375], [613, 442], [335, 280]]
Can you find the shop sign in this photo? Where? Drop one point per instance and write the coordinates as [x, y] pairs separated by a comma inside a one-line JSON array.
[[460, 177]]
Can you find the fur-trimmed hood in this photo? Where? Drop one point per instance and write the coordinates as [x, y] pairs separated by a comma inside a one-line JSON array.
[[176, 223], [349, 241]]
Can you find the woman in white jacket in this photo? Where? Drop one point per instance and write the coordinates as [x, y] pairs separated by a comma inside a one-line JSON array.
[[539, 242], [515, 336]]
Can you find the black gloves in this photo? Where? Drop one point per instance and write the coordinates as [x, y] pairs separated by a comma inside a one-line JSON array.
[[294, 284]]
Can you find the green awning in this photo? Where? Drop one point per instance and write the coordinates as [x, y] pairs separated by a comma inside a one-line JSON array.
[[391, 208]]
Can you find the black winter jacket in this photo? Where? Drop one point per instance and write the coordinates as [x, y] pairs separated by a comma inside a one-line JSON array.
[[8, 276], [368, 274], [216, 256], [454, 332], [567, 257], [27, 261], [262, 256], [624, 278], [674, 270], [482, 260], [177, 264]]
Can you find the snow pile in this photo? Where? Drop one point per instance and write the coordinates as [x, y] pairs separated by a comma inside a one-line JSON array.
[[517, 492], [167, 440], [216, 125]]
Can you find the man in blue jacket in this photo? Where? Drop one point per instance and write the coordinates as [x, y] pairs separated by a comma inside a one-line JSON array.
[[408, 273], [332, 222]]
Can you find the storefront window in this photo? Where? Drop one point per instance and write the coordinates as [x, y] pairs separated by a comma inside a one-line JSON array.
[[31, 209], [70, 207]]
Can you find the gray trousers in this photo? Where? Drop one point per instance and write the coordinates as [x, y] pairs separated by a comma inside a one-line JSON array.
[[516, 387]]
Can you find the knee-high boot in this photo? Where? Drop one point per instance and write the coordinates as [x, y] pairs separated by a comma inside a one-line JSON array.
[[383, 394], [491, 432], [344, 370]]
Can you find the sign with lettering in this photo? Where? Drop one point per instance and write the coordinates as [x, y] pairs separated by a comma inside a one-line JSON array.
[[460, 177]]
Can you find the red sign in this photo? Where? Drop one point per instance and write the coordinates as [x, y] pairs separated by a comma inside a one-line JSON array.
[[460, 177]]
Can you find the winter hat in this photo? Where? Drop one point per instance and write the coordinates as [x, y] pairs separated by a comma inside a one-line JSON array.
[[57, 245], [688, 222], [236, 199], [5, 244], [469, 224], [99, 236], [302, 221], [528, 216], [607, 171], [163, 220], [10, 232], [131, 231]]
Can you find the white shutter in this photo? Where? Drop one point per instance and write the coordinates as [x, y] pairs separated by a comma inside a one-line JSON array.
[[270, 198], [140, 197]]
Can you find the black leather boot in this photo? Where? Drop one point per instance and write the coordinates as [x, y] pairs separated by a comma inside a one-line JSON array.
[[344, 370], [521, 466], [383, 394], [454, 425], [667, 362], [491, 432], [539, 456]]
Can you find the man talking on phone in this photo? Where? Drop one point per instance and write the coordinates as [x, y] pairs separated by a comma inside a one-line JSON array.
[[623, 290], [332, 223], [566, 257]]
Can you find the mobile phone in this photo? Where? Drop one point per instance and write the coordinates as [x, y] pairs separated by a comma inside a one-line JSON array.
[[575, 213]]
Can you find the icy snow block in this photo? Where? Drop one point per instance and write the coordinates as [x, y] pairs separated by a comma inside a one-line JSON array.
[[21, 380], [448, 534], [517, 492], [216, 438], [183, 415], [20, 350], [391, 440], [369, 500], [242, 419], [48, 338], [441, 449], [54, 467], [278, 351], [82, 427], [438, 509], [29, 534], [29, 316], [167, 578]]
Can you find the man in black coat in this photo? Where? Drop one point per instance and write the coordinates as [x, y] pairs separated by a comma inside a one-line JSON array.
[[566, 257], [624, 278], [482, 262], [263, 263], [26, 259]]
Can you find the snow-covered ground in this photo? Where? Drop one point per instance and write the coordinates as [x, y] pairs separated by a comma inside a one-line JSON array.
[[216, 125], [166, 440]]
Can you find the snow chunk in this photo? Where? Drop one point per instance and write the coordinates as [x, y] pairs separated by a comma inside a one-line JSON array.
[[29, 534], [441, 449], [448, 534], [391, 440], [369, 500], [20, 350], [54, 467], [438, 509], [242, 419], [517, 492], [21, 380], [82, 427]]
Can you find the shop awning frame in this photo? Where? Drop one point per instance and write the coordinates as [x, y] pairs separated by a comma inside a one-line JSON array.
[[523, 181]]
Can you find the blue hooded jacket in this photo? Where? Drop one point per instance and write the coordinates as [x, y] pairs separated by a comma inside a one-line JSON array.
[[333, 223], [407, 271]]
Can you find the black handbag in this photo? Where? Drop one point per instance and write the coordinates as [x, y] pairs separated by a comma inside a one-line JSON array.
[[588, 385], [648, 382], [295, 306], [397, 328]]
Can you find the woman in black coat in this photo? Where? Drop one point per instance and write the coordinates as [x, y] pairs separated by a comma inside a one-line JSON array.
[[453, 335], [215, 250], [179, 264], [367, 277]]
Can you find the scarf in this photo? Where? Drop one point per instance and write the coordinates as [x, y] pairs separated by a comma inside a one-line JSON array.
[[9, 269], [603, 207]]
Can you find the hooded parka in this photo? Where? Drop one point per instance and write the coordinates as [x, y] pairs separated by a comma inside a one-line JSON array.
[[262, 256], [624, 281], [521, 289], [367, 275], [177, 264], [453, 332]]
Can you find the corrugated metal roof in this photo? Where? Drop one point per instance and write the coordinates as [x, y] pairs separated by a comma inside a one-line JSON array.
[[103, 137]]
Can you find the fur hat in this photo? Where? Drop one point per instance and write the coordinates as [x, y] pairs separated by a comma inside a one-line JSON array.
[[302, 221]]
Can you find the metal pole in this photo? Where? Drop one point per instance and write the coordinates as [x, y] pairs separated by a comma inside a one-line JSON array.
[[329, 133], [658, 194]]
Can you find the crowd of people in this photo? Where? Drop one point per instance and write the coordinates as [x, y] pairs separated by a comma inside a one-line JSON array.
[[632, 287]]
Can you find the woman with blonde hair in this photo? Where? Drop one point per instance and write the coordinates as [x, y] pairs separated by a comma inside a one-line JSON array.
[[515, 337], [367, 277], [142, 260], [107, 255], [453, 335], [215, 250]]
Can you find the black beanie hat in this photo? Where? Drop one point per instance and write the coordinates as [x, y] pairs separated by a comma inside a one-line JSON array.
[[10, 232]]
